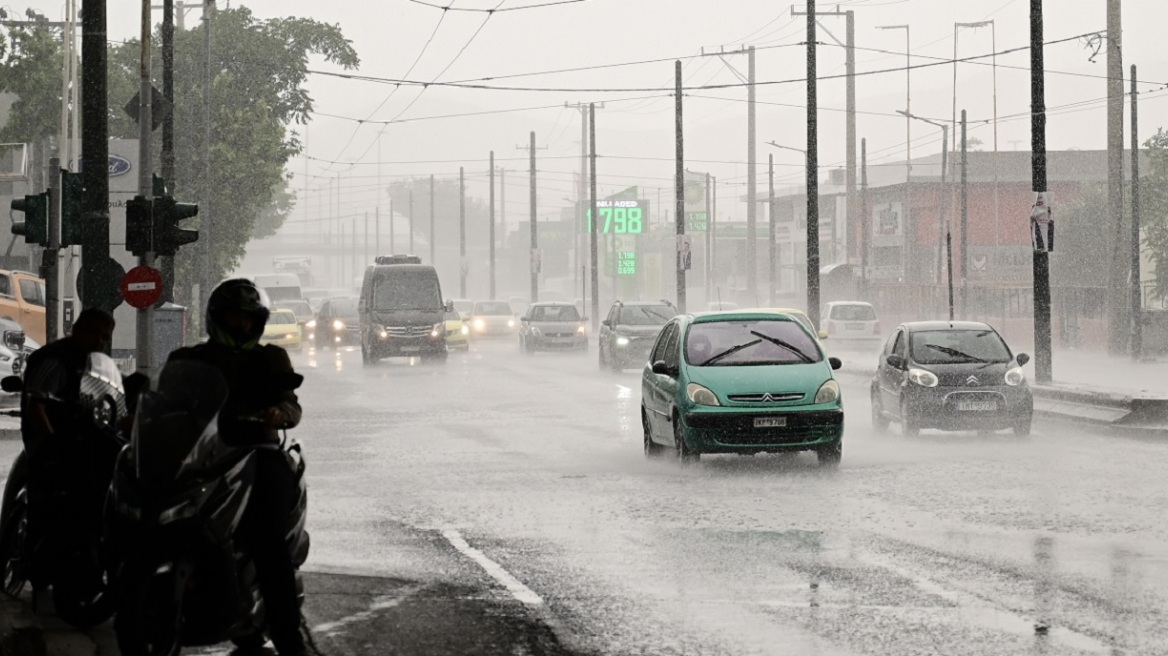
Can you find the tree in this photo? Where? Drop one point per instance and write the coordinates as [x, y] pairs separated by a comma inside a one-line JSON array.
[[30, 69], [1154, 209]]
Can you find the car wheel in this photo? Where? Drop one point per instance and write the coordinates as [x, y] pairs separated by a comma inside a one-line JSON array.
[[830, 456], [879, 421], [686, 455], [652, 449], [907, 426], [1022, 429]]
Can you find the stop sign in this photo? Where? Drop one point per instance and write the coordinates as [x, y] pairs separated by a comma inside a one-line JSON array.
[[142, 287]]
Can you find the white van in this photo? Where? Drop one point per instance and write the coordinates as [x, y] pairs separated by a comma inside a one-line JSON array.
[[279, 286]]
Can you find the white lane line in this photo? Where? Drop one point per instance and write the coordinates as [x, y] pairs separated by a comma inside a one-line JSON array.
[[521, 592], [380, 603]]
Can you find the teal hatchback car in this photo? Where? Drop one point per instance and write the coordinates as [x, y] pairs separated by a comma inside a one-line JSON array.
[[740, 382]]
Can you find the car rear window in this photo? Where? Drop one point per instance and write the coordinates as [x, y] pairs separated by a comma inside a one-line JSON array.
[[282, 317], [853, 313], [345, 307], [958, 346], [645, 315], [492, 308], [555, 313], [749, 342]]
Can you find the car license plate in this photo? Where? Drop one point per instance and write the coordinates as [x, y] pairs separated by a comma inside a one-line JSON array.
[[411, 349], [770, 422], [854, 326], [977, 406]]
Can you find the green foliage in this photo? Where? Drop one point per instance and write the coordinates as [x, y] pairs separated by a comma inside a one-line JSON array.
[[30, 68], [1154, 208]]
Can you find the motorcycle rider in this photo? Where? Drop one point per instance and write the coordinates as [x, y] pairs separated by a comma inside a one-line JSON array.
[[257, 380]]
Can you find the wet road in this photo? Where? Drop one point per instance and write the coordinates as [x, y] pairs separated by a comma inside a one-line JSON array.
[[500, 504]]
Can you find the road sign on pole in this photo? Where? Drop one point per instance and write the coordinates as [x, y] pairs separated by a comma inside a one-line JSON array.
[[142, 286]]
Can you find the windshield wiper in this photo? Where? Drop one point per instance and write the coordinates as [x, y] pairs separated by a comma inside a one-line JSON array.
[[730, 351], [955, 353], [780, 343], [647, 312]]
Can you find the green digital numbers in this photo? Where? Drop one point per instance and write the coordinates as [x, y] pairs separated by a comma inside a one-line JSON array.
[[620, 220]]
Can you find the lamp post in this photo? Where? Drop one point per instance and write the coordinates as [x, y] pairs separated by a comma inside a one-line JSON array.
[[774, 255], [907, 143], [994, 67], [944, 222]]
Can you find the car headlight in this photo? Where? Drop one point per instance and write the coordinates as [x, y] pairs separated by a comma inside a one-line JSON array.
[[437, 330], [291, 336], [1015, 377], [622, 341], [828, 392], [582, 330], [338, 324], [922, 377], [510, 323], [384, 334], [465, 330], [311, 324], [701, 395], [479, 324]]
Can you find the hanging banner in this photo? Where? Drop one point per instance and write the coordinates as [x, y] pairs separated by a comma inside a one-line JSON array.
[[1042, 222]]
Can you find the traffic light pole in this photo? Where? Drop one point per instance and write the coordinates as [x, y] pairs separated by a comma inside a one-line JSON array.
[[50, 262], [144, 341], [95, 155]]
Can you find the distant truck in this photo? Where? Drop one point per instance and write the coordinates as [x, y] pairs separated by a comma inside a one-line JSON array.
[[279, 286], [299, 265]]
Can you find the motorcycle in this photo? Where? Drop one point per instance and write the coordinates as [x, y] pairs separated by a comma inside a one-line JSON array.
[[178, 496], [67, 552]]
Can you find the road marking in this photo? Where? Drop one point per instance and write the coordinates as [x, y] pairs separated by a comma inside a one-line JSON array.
[[521, 592], [380, 603], [623, 392]]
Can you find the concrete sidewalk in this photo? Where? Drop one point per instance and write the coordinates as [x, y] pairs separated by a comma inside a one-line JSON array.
[[1101, 371]]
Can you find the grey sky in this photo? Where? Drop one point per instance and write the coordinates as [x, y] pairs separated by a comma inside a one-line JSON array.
[[389, 34]]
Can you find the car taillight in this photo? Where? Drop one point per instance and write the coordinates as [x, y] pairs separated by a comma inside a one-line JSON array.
[[876, 328]]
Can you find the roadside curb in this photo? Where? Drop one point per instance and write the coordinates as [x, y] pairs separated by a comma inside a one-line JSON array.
[[21, 633]]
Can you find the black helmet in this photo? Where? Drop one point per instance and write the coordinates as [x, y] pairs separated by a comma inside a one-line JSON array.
[[237, 295]]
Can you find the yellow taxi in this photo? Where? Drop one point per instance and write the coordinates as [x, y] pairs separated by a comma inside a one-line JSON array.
[[797, 315], [282, 330], [457, 332]]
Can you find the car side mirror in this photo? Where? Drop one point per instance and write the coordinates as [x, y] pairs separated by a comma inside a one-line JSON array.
[[449, 307], [523, 319], [835, 363], [823, 334], [1022, 359], [362, 307], [661, 369], [895, 361], [607, 323], [12, 384]]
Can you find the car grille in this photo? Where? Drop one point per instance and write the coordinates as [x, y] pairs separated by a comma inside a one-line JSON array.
[[408, 331], [559, 335], [767, 397], [738, 429]]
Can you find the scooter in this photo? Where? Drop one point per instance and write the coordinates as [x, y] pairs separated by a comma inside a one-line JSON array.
[[178, 496], [67, 551]]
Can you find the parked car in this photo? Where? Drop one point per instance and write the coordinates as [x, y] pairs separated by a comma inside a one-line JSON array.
[[337, 324], [15, 348], [282, 330], [741, 382], [552, 327], [851, 323], [950, 375], [457, 332], [492, 319], [628, 332], [22, 299]]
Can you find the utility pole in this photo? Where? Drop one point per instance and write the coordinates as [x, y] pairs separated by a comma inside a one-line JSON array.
[[964, 222], [377, 229], [905, 210], [1041, 263], [365, 239], [581, 187], [462, 264], [433, 234], [1137, 297], [812, 174], [51, 269], [144, 338], [534, 262], [943, 228], [709, 242], [492, 227], [96, 283], [207, 221], [167, 163], [849, 45], [865, 222], [713, 227], [411, 221], [1118, 325], [772, 254], [679, 186], [593, 251]]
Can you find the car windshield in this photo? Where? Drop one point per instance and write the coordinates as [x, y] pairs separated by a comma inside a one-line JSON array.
[[804, 321], [555, 313], [645, 315], [463, 306], [492, 308], [957, 346], [407, 290], [345, 308], [453, 315], [749, 342], [282, 317], [852, 313]]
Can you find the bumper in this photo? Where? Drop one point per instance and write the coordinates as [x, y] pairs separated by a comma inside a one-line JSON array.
[[391, 346], [732, 430], [494, 330], [959, 408], [636, 352], [572, 343], [456, 341], [290, 343]]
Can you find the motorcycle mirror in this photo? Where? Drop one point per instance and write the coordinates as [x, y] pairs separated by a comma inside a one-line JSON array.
[[12, 384]]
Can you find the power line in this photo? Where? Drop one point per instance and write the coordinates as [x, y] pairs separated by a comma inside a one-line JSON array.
[[497, 9]]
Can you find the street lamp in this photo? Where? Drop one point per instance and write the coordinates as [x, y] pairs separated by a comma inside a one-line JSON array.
[[776, 269], [994, 66], [905, 211], [944, 222]]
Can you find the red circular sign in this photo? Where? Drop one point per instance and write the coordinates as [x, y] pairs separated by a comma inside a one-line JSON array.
[[142, 287]]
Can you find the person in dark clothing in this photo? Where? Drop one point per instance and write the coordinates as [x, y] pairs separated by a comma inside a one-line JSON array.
[[260, 401]]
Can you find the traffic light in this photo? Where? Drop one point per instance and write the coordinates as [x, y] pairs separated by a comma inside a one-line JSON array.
[[35, 226], [168, 236], [71, 199], [139, 216]]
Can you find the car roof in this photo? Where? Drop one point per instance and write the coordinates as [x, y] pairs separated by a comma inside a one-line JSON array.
[[849, 303], [552, 304], [635, 303], [915, 326], [779, 310], [730, 315]]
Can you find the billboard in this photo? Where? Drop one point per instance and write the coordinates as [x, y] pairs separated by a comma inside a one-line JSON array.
[[887, 223]]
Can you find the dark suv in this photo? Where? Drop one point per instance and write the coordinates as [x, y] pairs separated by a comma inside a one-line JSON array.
[[627, 333]]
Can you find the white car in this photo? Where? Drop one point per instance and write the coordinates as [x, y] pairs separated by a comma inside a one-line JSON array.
[[493, 319], [14, 348], [851, 323]]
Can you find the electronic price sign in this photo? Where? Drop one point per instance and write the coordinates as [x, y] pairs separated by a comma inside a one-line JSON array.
[[626, 263], [620, 217]]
